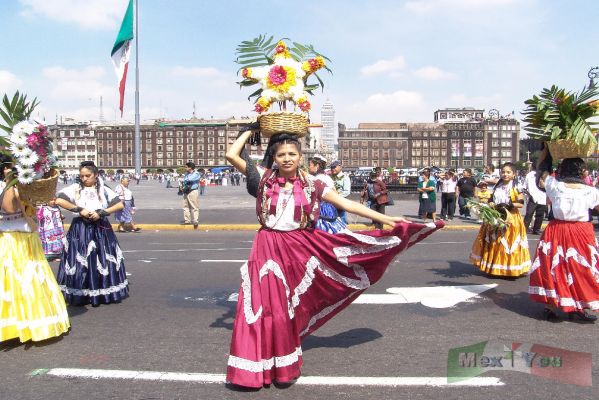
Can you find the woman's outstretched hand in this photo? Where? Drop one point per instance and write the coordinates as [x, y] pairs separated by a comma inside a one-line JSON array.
[[395, 220]]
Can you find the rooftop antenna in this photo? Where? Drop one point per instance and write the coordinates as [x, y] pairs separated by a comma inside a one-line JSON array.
[[194, 109]]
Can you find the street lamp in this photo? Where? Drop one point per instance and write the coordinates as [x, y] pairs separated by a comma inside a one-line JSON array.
[[593, 73]]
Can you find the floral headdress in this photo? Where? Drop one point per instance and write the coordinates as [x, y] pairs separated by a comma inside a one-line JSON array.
[[282, 71]]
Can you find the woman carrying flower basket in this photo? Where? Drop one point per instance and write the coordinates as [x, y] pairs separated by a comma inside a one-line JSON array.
[[31, 305], [298, 277], [564, 274], [503, 250], [92, 268]]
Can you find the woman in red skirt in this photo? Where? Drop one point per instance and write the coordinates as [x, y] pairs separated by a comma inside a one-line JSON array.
[[565, 274], [297, 277]]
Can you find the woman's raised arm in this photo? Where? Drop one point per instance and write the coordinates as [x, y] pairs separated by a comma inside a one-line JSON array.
[[233, 154]]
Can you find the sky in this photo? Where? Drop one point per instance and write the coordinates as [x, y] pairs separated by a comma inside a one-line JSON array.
[[392, 61]]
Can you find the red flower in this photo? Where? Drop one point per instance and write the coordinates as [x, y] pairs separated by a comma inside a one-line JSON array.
[[277, 75], [259, 108], [304, 105], [280, 49], [244, 73]]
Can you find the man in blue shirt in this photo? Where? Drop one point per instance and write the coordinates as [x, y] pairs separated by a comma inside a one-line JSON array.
[[189, 187]]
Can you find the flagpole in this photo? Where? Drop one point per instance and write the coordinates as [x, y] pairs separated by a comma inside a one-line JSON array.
[[137, 134]]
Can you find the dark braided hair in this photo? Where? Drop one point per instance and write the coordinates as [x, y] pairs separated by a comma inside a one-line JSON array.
[[570, 170], [5, 162], [322, 164]]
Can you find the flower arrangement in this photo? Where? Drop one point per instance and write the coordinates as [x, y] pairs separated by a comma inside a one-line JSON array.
[[497, 218], [31, 147], [282, 72], [556, 114]]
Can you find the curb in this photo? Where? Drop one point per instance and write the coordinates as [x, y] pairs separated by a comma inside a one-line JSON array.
[[255, 227]]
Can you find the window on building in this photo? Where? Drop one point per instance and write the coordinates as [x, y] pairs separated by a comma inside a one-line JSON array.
[[506, 143], [467, 163], [221, 132]]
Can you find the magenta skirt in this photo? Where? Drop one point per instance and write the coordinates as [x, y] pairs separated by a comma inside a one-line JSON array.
[[294, 282]]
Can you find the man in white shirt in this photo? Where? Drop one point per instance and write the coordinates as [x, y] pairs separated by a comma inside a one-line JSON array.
[[342, 184], [448, 194], [536, 205]]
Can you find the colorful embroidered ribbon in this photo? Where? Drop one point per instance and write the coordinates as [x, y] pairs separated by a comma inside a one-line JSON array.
[[298, 196]]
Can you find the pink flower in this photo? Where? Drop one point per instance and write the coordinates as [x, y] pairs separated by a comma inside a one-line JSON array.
[[277, 75], [32, 140]]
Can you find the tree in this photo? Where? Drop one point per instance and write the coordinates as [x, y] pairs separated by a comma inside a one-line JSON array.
[[592, 165]]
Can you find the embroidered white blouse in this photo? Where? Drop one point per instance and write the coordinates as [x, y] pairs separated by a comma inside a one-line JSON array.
[[570, 204], [123, 192], [88, 196], [283, 219]]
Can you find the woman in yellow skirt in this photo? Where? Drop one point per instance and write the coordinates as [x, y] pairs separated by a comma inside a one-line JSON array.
[[504, 253], [31, 304]]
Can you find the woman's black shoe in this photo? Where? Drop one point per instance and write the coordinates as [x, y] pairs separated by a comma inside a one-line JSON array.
[[550, 315], [582, 316]]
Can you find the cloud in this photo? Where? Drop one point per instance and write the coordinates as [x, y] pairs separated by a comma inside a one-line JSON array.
[[9, 82], [393, 67], [432, 73], [58, 72], [426, 6], [87, 14], [82, 84], [398, 106]]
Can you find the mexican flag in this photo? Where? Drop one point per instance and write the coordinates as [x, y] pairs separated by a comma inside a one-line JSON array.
[[562, 365], [121, 50]]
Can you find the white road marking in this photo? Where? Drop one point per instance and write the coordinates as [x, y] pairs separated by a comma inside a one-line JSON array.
[[145, 261], [304, 380], [184, 250], [434, 297]]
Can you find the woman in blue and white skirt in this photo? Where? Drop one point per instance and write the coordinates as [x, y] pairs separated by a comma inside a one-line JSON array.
[[92, 268], [329, 220], [125, 216]]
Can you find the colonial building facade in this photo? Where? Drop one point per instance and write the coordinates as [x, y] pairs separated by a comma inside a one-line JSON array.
[[466, 143]]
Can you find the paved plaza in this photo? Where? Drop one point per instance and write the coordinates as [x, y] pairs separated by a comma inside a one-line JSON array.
[[176, 325]]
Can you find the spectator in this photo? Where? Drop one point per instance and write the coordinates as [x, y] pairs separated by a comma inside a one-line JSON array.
[[342, 185], [448, 194], [189, 187], [536, 203], [464, 191], [489, 175], [427, 196]]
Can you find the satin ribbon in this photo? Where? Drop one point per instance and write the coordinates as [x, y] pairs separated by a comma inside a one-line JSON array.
[[298, 196]]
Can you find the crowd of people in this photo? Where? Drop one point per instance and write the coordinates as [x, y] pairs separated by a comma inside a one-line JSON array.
[[305, 265]]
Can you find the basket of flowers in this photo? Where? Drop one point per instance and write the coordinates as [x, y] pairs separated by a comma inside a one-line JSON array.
[[282, 71], [30, 145], [564, 120]]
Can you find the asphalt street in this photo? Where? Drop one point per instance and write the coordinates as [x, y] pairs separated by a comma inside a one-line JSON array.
[[178, 319], [224, 205]]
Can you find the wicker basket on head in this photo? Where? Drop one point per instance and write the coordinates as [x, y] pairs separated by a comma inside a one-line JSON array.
[[279, 122], [40, 191], [566, 148]]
